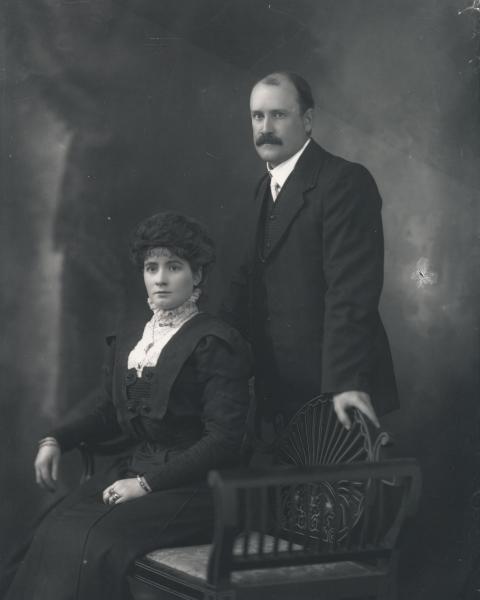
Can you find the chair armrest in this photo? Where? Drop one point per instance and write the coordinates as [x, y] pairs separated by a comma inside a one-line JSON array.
[[287, 475]]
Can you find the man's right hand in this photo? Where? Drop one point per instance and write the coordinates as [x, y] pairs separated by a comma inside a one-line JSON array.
[[46, 466], [353, 399]]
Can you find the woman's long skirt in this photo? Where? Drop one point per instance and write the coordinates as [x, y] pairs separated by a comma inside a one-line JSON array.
[[83, 549]]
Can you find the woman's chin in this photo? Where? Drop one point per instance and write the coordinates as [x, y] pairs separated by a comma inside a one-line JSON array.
[[164, 303]]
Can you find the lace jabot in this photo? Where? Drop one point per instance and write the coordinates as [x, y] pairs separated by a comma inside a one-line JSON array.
[[175, 316], [158, 331]]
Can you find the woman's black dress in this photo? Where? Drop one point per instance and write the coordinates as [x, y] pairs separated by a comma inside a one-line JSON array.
[[185, 416]]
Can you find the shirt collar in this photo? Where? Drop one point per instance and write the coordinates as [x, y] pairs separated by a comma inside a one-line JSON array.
[[281, 172]]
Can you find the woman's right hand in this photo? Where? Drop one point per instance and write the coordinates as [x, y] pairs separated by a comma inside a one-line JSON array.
[[46, 466]]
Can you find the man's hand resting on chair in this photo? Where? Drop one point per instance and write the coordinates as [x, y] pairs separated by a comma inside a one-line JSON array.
[[353, 399]]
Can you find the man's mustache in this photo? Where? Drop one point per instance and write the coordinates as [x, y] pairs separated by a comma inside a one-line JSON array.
[[268, 138]]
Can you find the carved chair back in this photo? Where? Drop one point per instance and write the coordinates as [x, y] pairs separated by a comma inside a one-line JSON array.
[[315, 436]]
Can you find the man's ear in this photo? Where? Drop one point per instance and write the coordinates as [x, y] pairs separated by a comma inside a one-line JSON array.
[[308, 120]]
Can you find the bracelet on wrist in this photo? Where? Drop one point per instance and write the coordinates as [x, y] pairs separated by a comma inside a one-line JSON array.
[[143, 484], [48, 441]]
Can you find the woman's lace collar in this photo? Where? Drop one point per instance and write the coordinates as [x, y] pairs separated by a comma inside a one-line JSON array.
[[175, 316]]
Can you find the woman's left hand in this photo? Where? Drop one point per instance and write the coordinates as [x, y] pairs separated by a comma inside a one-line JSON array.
[[123, 490]]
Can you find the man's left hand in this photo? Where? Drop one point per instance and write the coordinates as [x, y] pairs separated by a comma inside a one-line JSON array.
[[359, 400]]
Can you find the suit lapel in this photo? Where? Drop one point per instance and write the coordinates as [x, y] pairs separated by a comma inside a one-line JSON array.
[[292, 195]]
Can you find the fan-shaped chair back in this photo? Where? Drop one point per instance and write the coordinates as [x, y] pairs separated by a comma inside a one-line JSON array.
[[315, 437], [325, 511]]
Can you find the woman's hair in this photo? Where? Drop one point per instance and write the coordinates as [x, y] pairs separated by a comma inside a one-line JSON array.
[[182, 235]]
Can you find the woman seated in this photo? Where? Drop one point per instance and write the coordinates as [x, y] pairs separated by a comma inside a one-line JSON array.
[[179, 390]]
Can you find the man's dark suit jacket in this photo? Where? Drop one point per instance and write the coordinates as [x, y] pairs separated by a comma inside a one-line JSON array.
[[309, 302]]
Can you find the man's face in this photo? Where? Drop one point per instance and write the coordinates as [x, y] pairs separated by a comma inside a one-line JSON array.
[[279, 130]]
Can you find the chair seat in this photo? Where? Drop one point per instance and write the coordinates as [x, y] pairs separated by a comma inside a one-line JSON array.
[[193, 560]]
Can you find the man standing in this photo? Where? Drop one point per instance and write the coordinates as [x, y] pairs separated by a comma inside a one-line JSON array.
[[307, 292]]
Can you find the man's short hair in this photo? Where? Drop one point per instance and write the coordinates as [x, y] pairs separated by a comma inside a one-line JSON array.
[[304, 91]]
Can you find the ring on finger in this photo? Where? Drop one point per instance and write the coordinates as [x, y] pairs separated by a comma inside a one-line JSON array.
[[115, 497]]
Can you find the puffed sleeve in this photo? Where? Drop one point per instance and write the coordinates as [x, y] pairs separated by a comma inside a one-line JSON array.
[[225, 368], [99, 423]]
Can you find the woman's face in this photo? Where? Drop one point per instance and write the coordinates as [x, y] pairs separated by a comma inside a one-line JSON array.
[[168, 278]]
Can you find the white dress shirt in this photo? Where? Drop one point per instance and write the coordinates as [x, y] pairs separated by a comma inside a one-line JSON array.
[[281, 172]]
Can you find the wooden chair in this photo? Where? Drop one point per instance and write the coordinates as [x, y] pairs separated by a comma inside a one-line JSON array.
[[326, 527]]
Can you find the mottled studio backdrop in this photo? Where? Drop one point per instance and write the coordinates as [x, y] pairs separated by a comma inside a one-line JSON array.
[[111, 111]]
